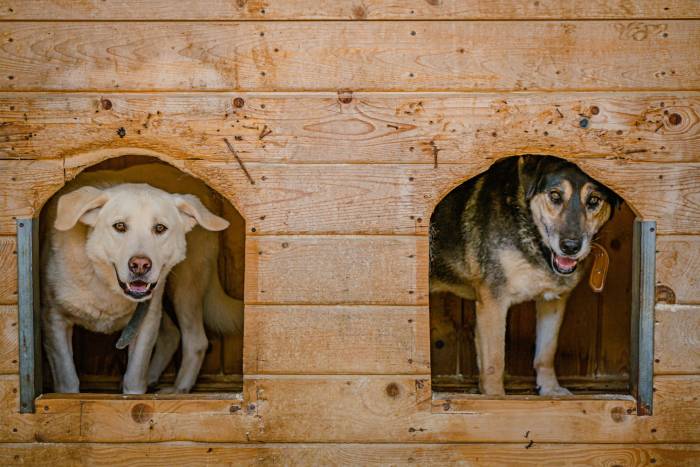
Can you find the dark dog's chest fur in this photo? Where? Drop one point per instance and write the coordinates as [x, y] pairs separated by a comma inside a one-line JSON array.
[[483, 234]]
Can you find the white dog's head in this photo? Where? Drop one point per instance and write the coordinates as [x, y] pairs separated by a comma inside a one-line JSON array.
[[136, 233]]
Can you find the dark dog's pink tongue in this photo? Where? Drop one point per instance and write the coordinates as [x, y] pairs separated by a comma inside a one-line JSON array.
[[564, 263]]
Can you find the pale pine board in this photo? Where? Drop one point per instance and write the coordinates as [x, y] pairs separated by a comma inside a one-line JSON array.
[[197, 454], [677, 339], [336, 340], [370, 56], [354, 128], [9, 345], [678, 268], [344, 10]]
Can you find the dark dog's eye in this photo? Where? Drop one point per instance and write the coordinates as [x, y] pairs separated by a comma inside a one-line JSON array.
[[555, 196], [593, 202], [119, 227], [159, 228]]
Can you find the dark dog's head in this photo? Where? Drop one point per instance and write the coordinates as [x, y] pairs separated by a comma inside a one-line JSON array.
[[567, 206]]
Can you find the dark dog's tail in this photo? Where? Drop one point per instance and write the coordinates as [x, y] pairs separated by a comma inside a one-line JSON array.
[[222, 313]]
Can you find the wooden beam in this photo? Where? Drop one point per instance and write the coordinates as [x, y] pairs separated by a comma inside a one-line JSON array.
[[336, 340], [677, 341], [328, 56], [8, 271], [225, 10], [389, 270], [353, 128], [9, 353], [523, 453], [677, 266]]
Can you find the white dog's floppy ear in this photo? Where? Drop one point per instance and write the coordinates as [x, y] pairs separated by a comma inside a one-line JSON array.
[[80, 205], [194, 212]]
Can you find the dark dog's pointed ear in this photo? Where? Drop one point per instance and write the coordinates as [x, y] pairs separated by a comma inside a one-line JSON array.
[[530, 171]]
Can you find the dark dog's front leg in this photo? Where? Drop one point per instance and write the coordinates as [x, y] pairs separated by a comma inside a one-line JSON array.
[[550, 314], [490, 343]]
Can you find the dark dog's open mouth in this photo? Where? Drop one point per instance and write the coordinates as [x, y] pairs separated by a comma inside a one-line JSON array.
[[137, 289], [563, 264]]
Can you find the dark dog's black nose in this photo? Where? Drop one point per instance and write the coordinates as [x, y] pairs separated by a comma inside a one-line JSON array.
[[139, 265], [570, 246]]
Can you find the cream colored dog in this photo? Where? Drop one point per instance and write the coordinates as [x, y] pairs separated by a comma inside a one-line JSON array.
[[111, 241]]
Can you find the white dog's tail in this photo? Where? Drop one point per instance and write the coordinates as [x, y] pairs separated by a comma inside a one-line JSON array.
[[222, 313]]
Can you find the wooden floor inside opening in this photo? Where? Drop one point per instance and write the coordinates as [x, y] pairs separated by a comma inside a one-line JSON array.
[[594, 343], [100, 365]]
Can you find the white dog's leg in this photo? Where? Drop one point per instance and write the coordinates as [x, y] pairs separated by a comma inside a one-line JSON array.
[[166, 345], [194, 341], [490, 343], [141, 347], [550, 315], [58, 344]]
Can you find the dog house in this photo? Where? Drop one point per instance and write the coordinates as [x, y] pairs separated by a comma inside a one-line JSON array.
[[348, 122]]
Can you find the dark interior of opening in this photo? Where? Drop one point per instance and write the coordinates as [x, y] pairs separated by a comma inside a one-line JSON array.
[[593, 354], [100, 365]]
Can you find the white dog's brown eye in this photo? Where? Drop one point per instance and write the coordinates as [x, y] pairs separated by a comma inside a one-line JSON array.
[[555, 196], [159, 228], [119, 227]]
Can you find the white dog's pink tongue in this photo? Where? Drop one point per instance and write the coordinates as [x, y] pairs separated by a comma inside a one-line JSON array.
[[564, 263], [138, 286]]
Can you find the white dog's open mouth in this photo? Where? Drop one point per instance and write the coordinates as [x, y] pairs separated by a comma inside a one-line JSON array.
[[137, 288], [563, 264]]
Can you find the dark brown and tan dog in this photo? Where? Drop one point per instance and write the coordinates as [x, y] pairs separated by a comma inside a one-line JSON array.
[[518, 232]]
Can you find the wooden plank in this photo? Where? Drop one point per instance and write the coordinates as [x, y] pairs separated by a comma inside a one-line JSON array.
[[8, 271], [398, 56], [9, 356], [24, 187], [393, 409], [677, 266], [195, 454], [677, 341], [211, 10], [362, 128], [336, 340], [389, 270]]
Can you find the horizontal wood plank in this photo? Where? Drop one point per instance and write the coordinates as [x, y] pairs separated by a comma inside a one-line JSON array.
[[9, 337], [370, 56], [389, 270], [376, 409], [196, 454], [330, 9], [353, 128], [8, 270], [677, 266], [677, 340], [336, 340]]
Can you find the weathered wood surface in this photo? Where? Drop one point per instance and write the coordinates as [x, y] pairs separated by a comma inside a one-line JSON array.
[[8, 270], [387, 56], [197, 454], [677, 340], [352, 409], [374, 269], [354, 128], [337, 340], [346, 10], [677, 269], [9, 349]]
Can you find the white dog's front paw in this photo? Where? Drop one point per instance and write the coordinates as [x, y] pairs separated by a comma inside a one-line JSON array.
[[554, 390]]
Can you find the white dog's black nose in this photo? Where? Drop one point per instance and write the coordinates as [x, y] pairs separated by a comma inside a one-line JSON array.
[[139, 265], [570, 246]]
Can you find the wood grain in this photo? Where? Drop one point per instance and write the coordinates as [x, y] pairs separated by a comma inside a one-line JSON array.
[[8, 271], [327, 56], [196, 454], [354, 128], [350, 409], [389, 270], [9, 346], [677, 266], [336, 340], [676, 339], [354, 10], [25, 186]]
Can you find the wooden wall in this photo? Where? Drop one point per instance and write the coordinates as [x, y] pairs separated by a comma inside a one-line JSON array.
[[354, 118]]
